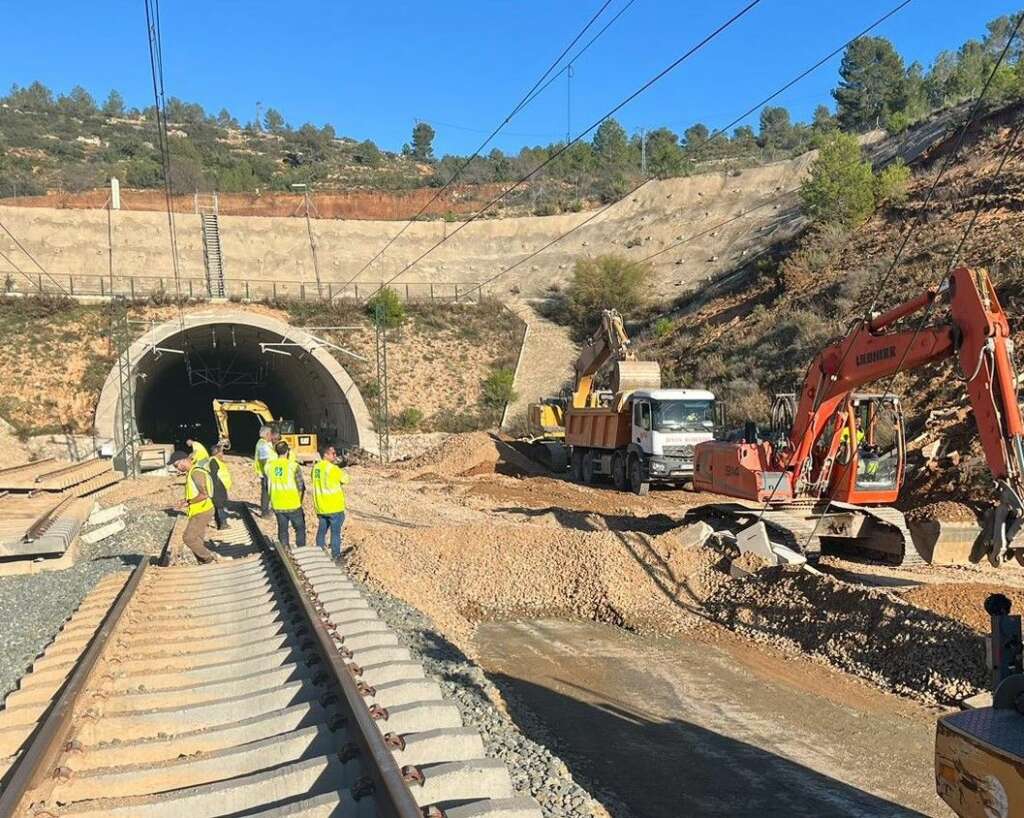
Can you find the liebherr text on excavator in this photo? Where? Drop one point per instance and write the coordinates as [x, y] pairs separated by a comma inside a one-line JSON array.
[[834, 474]]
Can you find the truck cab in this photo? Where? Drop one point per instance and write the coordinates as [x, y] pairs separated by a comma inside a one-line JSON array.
[[666, 426], [639, 437]]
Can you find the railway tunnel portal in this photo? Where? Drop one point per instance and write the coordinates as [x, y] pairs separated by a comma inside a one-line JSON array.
[[179, 367]]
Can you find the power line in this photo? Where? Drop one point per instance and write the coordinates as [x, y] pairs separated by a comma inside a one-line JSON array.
[[631, 191], [526, 99], [674, 64], [31, 258], [950, 157]]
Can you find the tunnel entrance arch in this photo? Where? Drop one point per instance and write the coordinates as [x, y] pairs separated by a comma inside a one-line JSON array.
[[226, 359]]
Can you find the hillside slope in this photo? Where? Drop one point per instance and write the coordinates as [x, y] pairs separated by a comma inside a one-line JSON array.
[[759, 330]]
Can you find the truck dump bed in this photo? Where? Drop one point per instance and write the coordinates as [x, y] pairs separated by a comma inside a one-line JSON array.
[[597, 428]]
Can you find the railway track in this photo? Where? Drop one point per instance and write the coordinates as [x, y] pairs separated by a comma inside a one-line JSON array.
[[260, 686]]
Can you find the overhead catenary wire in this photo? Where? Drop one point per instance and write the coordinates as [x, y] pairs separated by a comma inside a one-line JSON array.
[[31, 258], [592, 216], [569, 143], [949, 158], [528, 97], [156, 61]]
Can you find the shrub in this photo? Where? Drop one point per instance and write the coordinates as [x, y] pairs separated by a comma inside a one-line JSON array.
[[840, 187], [498, 388], [409, 418], [662, 327], [606, 282], [385, 306], [891, 183]]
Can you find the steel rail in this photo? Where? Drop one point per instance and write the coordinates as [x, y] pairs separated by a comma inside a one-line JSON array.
[[391, 792], [48, 739]]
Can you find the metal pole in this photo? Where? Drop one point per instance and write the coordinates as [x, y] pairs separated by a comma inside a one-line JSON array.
[[110, 245], [383, 413], [568, 104]]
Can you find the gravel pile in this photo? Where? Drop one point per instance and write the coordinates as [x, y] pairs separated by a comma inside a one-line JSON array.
[[963, 601], [871, 633], [460, 575], [534, 769], [945, 510], [454, 456], [33, 606]]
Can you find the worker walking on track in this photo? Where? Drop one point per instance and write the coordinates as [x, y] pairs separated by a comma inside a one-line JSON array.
[[264, 454], [287, 489], [329, 498], [198, 504], [221, 485]]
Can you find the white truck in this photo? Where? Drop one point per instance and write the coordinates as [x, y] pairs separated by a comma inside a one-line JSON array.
[[640, 437]]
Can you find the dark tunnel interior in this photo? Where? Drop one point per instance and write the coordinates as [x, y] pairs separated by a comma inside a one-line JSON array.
[[177, 381]]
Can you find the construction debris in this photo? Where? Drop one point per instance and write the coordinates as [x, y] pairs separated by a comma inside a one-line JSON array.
[[104, 531]]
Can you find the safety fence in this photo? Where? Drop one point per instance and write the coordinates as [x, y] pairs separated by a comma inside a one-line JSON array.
[[235, 289]]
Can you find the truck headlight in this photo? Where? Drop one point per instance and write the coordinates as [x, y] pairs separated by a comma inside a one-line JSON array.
[[657, 466]]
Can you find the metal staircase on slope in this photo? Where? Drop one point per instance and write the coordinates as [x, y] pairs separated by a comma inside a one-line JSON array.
[[206, 207]]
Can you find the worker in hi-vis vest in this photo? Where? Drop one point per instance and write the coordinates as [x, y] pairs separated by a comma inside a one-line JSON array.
[[329, 498], [287, 489], [198, 504], [222, 483], [264, 454]]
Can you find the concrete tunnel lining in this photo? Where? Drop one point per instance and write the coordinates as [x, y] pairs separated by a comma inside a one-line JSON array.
[[309, 386]]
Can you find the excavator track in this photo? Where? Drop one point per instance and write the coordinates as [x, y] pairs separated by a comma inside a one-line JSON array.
[[796, 526]]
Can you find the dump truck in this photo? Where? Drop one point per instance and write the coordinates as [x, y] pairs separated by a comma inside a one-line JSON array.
[[829, 477], [635, 433], [303, 444]]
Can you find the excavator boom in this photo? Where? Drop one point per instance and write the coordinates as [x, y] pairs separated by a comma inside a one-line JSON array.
[[810, 460]]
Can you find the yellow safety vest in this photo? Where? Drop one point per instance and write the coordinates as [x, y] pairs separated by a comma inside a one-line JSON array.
[[264, 451], [284, 489], [191, 492], [328, 495], [199, 452], [223, 473]]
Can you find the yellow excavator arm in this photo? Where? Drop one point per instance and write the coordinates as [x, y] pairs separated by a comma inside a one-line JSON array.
[[611, 343], [304, 445]]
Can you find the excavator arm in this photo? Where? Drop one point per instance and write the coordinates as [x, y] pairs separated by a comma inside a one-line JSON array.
[[978, 333], [611, 343], [222, 406]]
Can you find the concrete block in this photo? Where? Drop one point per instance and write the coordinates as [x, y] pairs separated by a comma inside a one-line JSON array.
[[101, 533], [106, 515], [754, 540], [694, 536], [787, 556]]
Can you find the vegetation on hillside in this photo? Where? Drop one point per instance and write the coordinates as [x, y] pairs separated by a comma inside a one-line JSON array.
[[756, 336], [69, 142]]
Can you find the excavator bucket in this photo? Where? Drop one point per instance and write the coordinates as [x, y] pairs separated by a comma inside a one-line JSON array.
[[630, 375], [947, 542]]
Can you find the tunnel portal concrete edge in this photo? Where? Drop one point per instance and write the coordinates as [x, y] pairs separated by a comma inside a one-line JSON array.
[[354, 425]]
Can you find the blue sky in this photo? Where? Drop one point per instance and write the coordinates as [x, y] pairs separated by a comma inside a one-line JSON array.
[[372, 69]]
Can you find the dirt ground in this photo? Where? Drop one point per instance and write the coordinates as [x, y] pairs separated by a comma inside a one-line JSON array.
[[582, 600]]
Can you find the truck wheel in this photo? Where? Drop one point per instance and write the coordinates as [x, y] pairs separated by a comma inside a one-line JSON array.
[[588, 467], [619, 472], [576, 470], [636, 478]]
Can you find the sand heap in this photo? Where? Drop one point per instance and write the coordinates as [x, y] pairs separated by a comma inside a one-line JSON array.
[[467, 574], [465, 455]]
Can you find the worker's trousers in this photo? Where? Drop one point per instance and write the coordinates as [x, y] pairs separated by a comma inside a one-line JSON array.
[[297, 519], [264, 496], [333, 522], [195, 536]]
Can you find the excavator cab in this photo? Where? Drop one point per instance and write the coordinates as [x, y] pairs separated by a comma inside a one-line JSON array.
[[871, 458]]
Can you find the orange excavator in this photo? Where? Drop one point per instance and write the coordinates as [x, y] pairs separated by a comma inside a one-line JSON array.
[[829, 482]]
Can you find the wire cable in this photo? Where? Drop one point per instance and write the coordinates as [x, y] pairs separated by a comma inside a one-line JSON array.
[[552, 157], [802, 75], [950, 156], [32, 258], [523, 102]]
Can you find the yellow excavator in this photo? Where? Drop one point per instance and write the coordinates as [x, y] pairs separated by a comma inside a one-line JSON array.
[[304, 445]]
